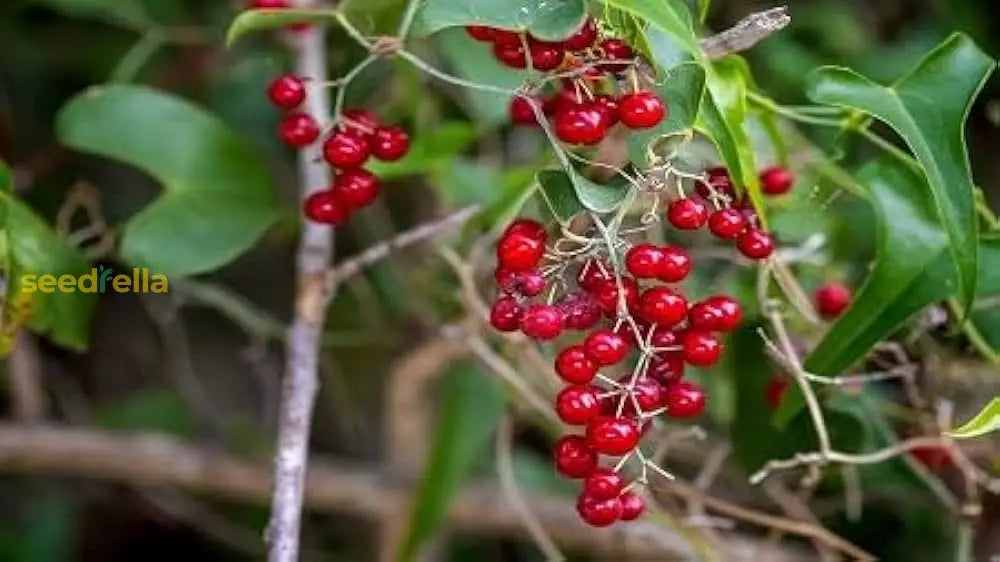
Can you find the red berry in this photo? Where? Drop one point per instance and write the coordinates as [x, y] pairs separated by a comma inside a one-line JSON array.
[[603, 484], [390, 143], [687, 213], [684, 399], [529, 283], [520, 251], [593, 274], [647, 393], [287, 92], [933, 457], [832, 299], [562, 100], [521, 112], [545, 55], [345, 149], [506, 37], [578, 405], [298, 129], [360, 121], [580, 125], [661, 306], [542, 322], [718, 314], [574, 366], [676, 264], [666, 367], [663, 337], [505, 279], [755, 244], [326, 207], [357, 187], [480, 32], [605, 347], [644, 261], [529, 227], [268, 4], [701, 349], [608, 106], [632, 506], [612, 436], [606, 295], [584, 37], [641, 110], [615, 49], [505, 314], [776, 180], [727, 223], [510, 53], [718, 181], [573, 457], [775, 391], [598, 513]]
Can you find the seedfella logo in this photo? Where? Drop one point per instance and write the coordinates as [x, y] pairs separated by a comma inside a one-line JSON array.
[[101, 279]]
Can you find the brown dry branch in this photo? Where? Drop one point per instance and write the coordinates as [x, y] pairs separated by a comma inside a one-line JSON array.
[[746, 33]]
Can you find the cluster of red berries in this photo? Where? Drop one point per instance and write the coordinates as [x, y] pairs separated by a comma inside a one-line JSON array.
[[357, 136]]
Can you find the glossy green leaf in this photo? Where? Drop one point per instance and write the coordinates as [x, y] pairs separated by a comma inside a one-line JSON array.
[[928, 108], [986, 421], [549, 19], [599, 197], [469, 414], [128, 13], [217, 198], [560, 196], [431, 151], [671, 16], [474, 61], [983, 325], [684, 87], [250, 21]]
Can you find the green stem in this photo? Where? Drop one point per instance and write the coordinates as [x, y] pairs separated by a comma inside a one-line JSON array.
[[137, 57], [794, 114]]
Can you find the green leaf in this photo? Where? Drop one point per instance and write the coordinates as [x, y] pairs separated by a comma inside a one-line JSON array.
[[474, 61], [249, 21], [128, 13], [471, 410], [217, 199], [983, 325], [928, 108], [550, 19], [557, 190], [671, 16], [464, 181], [907, 275], [684, 86], [431, 151], [598, 197], [986, 421]]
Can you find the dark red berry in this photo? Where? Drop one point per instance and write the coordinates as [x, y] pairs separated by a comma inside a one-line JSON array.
[[480, 32], [506, 279], [684, 399], [578, 404], [755, 244], [574, 366], [506, 37], [701, 349], [606, 295], [608, 106], [584, 37], [676, 264], [605, 347], [612, 436], [580, 125], [632, 506], [529, 283], [776, 180], [545, 55], [357, 187], [641, 110], [593, 274], [687, 213], [542, 322], [528, 227], [719, 182], [298, 129], [662, 306], [326, 207], [603, 484], [775, 390], [663, 337], [510, 53], [268, 4], [666, 367], [644, 261], [718, 314], [360, 121], [521, 112], [648, 393], [390, 143], [615, 50], [563, 100], [505, 315], [573, 457], [520, 251], [832, 299], [727, 223], [287, 91], [581, 310], [598, 513], [934, 457], [345, 149]]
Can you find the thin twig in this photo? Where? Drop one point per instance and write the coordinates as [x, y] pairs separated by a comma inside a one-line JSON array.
[[746, 33]]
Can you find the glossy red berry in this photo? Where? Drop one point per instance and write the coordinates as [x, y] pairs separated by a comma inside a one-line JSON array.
[[615, 50], [287, 92], [593, 274], [519, 251], [663, 337], [632, 506], [755, 244], [648, 393], [298, 129], [574, 366], [529, 283], [933, 457], [581, 311], [510, 53], [542, 322], [580, 125], [521, 112], [605, 347], [573, 457], [390, 143], [268, 4], [717, 314], [578, 404], [607, 298], [727, 223], [701, 349], [357, 187], [644, 261], [641, 110], [563, 100], [345, 149], [480, 32], [608, 107], [612, 436], [598, 513], [832, 299], [545, 55], [360, 121], [684, 399], [326, 207], [666, 367], [583, 38], [776, 180], [662, 306], [505, 279], [603, 484], [676, 264], [719, 183], [687, 213], [528, 227], [505, 315], [775, 390]]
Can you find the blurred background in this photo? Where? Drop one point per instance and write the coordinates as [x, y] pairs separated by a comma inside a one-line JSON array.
[[202, 364]]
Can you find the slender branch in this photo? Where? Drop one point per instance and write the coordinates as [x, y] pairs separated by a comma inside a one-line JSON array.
[[746, 33]]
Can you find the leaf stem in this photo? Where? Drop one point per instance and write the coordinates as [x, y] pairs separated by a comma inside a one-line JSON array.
[[137, 56]]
